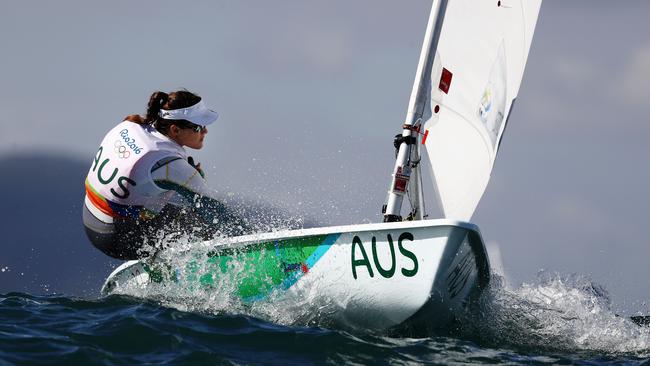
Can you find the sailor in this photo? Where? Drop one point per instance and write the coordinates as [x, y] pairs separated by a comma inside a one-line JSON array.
[[143, 191]]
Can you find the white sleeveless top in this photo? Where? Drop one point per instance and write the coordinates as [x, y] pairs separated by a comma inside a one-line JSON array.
[[120, 181]]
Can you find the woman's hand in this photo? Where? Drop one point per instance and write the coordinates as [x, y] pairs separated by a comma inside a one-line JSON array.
[[196, 166]]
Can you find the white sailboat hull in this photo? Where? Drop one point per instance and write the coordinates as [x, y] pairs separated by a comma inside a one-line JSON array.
[[417, 274]]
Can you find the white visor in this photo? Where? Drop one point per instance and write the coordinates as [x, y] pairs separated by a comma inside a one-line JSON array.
[[198, 114]]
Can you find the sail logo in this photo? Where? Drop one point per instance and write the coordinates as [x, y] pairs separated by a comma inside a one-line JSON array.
[[492, 105], [485, 105], [359, 257]]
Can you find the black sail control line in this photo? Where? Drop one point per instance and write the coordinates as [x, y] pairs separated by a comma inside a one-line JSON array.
[[399, 139]]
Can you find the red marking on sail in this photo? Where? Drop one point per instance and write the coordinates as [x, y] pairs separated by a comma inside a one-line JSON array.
[[304, 268], [445, 81], [424, 138]]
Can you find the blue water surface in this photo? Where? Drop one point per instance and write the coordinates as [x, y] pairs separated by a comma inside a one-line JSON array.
[[120, 330]]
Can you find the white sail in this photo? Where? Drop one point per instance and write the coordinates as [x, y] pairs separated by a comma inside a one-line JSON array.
[[479, 62]]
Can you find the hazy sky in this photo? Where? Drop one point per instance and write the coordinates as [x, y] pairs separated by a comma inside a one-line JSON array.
[[311, 93]]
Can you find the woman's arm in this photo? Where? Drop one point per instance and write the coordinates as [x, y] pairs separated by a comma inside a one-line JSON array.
[[179, 176]]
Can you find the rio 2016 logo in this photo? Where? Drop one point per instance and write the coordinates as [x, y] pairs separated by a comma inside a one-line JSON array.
[[130, 142]]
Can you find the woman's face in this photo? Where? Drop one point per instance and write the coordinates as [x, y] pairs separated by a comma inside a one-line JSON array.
[[188, 136]]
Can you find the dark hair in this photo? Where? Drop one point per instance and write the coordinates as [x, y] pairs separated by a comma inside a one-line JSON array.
[[161, 100]]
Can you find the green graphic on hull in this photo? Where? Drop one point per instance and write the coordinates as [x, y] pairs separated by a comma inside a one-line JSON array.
[[253, 271]]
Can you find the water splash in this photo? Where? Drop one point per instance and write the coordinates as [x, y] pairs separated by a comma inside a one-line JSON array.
[[558, 313], [192, 283]]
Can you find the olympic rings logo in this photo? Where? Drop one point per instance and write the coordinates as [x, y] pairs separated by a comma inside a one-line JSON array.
[[121, 150]]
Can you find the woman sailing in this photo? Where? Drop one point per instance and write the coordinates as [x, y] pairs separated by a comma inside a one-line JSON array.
[[143, 190]]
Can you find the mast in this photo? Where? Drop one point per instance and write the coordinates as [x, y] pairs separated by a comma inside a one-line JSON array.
[[408, 157]]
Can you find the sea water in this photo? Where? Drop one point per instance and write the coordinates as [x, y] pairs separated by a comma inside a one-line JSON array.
[[557, 320]]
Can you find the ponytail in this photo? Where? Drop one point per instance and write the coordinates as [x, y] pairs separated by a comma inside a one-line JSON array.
[[156, 101]]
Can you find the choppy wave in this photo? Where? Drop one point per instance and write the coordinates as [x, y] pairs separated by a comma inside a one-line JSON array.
[[556, 314], [121, 330]]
